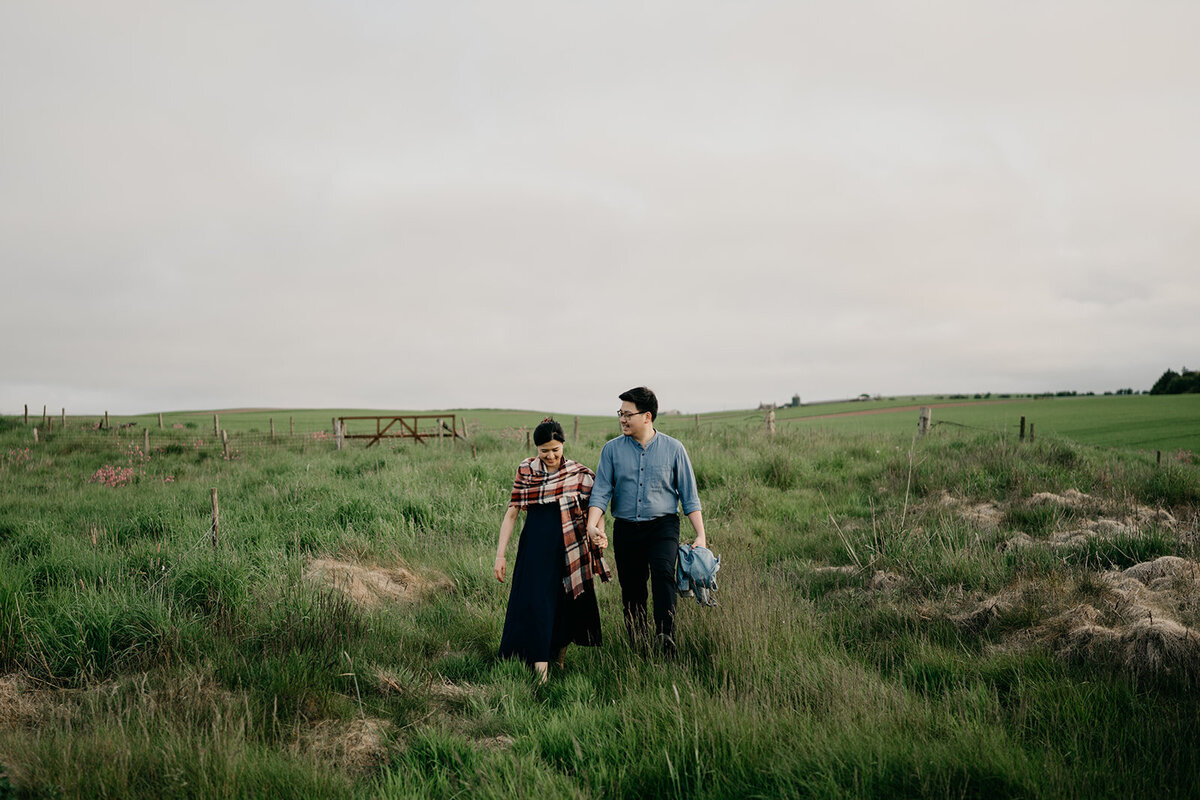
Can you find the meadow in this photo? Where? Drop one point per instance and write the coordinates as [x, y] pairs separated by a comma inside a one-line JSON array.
[[961, 615], [1167, 423]]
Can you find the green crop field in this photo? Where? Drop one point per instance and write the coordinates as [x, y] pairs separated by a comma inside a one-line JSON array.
[[960, 615], [1141, 422]]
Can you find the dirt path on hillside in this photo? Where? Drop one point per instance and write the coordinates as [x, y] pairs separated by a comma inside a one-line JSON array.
[[232, 411]]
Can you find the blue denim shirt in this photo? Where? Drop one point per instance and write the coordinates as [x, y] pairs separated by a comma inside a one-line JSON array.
[[645, 482]]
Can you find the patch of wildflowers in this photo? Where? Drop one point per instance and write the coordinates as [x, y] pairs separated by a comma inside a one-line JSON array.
[[108, 475]]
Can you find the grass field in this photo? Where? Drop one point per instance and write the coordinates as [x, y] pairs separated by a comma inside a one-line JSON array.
[[1140, 422], [962, 616], [1167, 423]]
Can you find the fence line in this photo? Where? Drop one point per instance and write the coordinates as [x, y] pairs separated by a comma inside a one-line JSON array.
[[306, 435]]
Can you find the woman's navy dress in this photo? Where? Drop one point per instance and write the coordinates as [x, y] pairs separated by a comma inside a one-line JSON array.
[[542, 617]]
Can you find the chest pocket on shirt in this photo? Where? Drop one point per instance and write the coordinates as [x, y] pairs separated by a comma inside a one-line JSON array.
[[661, 478]]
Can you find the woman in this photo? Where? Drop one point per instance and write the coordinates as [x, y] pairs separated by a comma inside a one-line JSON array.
[[552, 601]]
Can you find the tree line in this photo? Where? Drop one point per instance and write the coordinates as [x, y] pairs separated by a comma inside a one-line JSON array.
[[1172, 382]]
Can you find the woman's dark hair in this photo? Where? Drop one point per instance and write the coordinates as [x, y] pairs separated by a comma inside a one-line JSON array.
[[548, 429], [644, 399]]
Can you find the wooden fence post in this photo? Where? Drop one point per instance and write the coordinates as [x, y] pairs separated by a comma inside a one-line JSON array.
[[697, 422], [291, 426], [105, 420], [146, 441], [49, 425], [1022, 429], [528, 438], [160, 427], [576, 439], [43, 415], [770, 421], [64, 418], [272, 428], [35, 436], [1031, 431], [216, 425], [339, 433], [225, 444], [1157, 457], [27, 413], [216, 518], [924, 420]]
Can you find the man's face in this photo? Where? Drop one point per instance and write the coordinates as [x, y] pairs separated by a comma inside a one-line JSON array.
[[633, 422]]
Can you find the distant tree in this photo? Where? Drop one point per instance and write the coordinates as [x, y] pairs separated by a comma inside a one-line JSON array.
[[1172, 382], [1160, 385]]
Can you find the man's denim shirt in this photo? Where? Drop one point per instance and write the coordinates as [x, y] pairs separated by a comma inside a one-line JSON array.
[[645, 482]]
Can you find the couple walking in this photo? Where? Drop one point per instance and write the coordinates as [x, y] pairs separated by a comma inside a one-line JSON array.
[[647, 477]]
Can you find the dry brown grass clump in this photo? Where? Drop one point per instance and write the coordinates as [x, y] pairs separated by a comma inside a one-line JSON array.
[[986, 516], [1172, 568], [373, 586], [990, 609], [18, 706], [356, 745], [1071, 498], [1137, 620], [1149, 647]]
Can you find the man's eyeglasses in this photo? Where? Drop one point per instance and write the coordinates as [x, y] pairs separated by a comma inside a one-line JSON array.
[[624, 415]]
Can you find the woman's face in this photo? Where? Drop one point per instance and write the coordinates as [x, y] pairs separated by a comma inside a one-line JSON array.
[[551, 454]]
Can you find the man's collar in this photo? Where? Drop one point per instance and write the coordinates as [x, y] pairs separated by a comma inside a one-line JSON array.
[[648, 441]]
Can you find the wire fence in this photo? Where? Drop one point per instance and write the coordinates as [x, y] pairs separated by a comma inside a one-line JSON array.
[[305, 432], [136, 440]]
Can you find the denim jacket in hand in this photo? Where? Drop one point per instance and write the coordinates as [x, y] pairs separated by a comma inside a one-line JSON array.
[[696, 574]]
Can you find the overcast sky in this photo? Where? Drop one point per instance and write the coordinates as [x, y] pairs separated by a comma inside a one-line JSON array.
[[539, 205]]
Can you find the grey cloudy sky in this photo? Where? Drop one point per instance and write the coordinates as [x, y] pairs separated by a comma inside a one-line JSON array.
[[539, 205]]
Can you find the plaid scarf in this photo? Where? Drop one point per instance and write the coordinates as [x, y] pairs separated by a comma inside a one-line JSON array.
[[570, 487]]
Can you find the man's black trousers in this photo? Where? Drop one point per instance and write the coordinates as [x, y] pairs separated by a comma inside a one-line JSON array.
[[647, 550]]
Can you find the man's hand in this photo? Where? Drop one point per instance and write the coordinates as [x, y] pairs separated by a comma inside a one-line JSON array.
[[498, 569], [697, 520]]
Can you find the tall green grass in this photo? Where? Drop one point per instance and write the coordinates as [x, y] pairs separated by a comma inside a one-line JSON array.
[[150, 662]]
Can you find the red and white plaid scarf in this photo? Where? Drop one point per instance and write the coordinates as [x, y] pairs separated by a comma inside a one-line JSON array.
[[570, 487]]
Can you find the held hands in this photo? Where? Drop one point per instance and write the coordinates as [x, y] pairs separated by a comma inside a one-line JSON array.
[[596, 536], [498, 569]]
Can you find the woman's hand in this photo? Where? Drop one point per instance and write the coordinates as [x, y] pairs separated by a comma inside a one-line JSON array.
[[498, 569]]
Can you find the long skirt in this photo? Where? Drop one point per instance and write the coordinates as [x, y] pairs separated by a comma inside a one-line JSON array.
[[542, 617]]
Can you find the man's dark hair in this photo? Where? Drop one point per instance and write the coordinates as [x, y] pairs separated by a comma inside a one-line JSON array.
[[548, 429], [644, 399]]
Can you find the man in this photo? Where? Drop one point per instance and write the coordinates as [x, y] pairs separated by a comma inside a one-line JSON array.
[[647, 476]]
